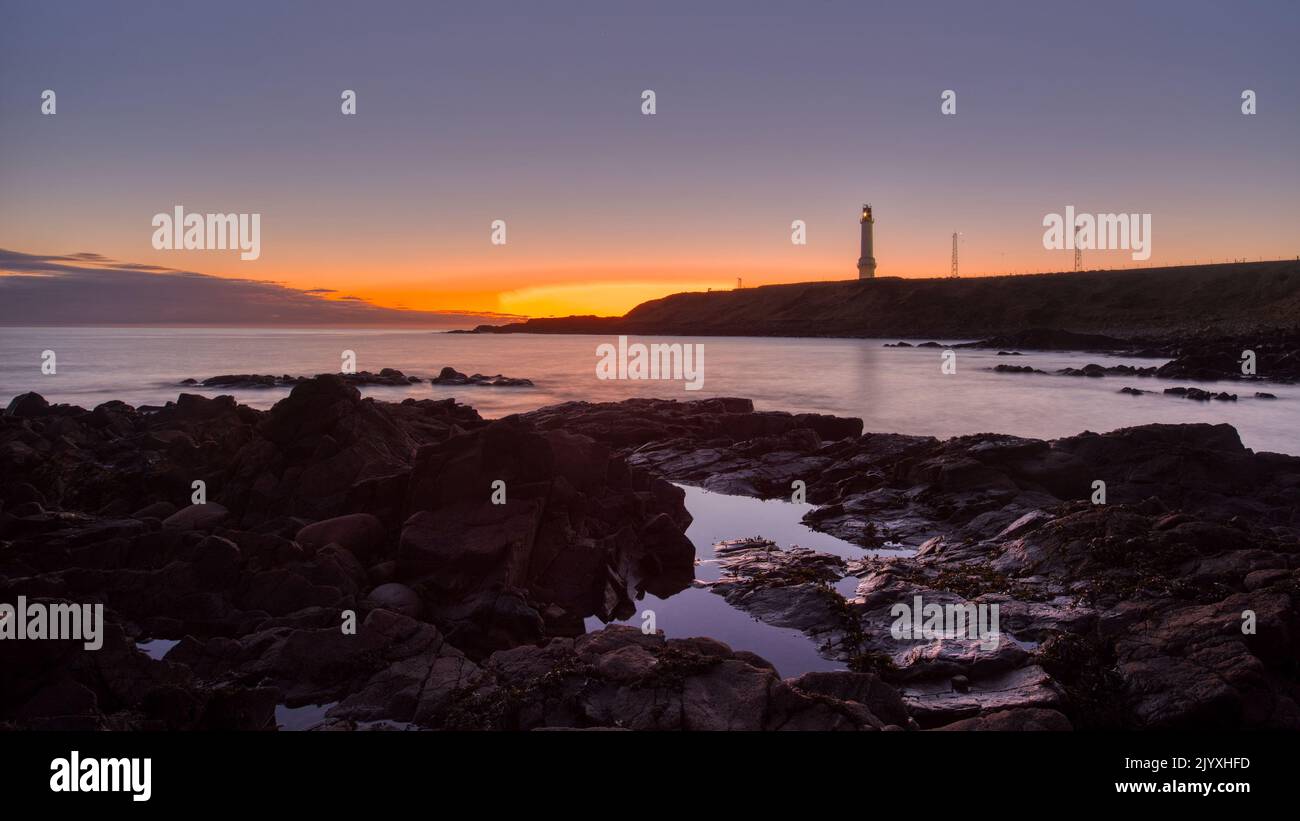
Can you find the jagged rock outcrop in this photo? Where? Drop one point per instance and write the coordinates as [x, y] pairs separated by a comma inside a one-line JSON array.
[[412, 564], [327, 503]]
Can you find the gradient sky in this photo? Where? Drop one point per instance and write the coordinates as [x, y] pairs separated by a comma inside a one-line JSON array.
[[530, 112]]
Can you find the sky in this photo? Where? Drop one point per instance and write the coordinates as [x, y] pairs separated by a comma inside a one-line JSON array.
[[531, 113]]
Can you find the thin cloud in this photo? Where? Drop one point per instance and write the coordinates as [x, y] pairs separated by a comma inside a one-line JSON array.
[[90, 289]]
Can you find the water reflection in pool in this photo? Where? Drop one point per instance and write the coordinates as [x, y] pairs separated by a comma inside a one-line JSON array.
[[698, 612]]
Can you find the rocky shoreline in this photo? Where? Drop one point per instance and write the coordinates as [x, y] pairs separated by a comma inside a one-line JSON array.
[[390, 377], [1273, 358], [1122, 614], [469, 552]]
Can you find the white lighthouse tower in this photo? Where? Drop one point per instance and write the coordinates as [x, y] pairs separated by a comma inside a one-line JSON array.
[[867, 262]]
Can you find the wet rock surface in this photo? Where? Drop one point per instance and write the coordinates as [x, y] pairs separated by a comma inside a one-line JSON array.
[[1173, 603], [1094, 370], [1201, 395], [617, 678], [451, 376], [355, 553], [244, 381], [1051, 339], [390, 377], [1266, 357], [325, 509], [1275, 357]]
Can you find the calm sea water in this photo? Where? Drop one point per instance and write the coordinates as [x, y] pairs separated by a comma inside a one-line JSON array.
[[891, 389]]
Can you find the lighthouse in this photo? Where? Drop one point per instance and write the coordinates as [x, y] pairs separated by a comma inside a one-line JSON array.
[[867, 262]]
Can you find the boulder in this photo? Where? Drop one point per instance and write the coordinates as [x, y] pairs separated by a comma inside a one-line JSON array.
[[360, 533], [27, 406], [393, 596], [197, 517]]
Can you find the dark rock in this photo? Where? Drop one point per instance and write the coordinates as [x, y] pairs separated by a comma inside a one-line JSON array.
[[217, 564], [451, 376], [1029, 719], [246, 381], [360, 533], [867, 689], [396, 597], [1220, 358], [1047, 339], [27, 406], [157, 510], [461, 544], [1201, 395], [619, 677], [1094, 370], [26, 509], [197, 517]]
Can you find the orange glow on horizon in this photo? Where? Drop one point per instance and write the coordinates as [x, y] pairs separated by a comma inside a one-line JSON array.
[[600, 298], [535, 291], [544, 285]]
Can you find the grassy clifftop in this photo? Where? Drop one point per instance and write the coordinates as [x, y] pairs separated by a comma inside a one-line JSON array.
[[1222, 299]]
